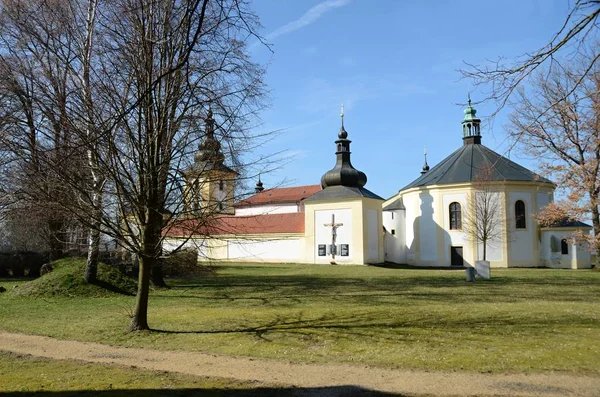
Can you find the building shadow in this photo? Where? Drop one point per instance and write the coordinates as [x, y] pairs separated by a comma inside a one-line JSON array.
[[427, 237]]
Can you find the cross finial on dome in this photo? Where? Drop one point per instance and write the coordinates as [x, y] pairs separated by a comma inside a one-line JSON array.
[[342, 134], [425, 166], [469, 98]]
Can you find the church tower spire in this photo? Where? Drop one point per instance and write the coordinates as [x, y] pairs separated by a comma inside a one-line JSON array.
[[471, 125], [343, 174], [259, 186], [425, 166], [209, 183]]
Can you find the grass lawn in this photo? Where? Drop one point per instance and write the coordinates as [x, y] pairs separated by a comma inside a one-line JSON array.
[[520, 321], [25, 374]]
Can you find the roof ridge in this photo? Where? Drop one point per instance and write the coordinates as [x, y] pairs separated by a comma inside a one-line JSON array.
[[499, 157]]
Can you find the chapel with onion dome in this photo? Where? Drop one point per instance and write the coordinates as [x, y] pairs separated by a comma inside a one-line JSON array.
[[426, 221]]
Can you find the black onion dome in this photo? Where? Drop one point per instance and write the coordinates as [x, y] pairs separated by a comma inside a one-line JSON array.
[[209, 155], [343, 173], [209, 149]]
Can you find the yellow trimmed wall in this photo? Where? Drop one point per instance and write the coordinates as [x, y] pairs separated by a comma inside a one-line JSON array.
[[358, 208], [428, 243]]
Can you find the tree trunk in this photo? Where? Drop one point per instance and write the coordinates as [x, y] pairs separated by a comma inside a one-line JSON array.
[[55, 240], [596, 224], [150, 237], [156, 275], [91, 268], [484, 250], [139, 320]]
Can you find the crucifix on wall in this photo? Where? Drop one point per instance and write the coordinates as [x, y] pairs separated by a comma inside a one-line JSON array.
[[334, 227]]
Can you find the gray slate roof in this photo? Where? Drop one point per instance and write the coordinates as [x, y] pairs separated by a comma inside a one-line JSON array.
[[464, 164], [397, 204], [339, 191], [571, 223]]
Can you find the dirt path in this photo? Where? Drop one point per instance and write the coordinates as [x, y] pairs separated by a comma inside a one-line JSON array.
[[282, 373]]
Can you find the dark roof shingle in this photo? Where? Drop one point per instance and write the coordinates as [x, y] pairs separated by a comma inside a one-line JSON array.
[[464, 164]]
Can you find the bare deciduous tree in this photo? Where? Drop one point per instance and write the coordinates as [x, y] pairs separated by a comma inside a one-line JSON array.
[[155, 67], [558, 122], [484, 222], [577, 34]]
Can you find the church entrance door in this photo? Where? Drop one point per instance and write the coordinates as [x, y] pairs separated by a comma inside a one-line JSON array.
[[456, 256]]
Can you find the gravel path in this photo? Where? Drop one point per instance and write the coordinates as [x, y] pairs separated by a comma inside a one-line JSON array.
[[282, 373]]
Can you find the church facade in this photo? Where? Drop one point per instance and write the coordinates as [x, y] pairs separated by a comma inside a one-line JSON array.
[[339, 221]]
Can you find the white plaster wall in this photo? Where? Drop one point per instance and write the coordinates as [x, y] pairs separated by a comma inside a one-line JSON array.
[[455, 238], [579, 257], [267, 250], [521, 240], [428, 228], [412, 205], [267, 209], [395, 244], [323, 233], [543, 199], [374, 234], [171, 244]]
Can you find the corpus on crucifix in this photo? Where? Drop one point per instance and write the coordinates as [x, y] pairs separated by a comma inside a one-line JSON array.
[[334, 227]]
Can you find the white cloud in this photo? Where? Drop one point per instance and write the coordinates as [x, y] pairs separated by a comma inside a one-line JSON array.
[[308, 18]]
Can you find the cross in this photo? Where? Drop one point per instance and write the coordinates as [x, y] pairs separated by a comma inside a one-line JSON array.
[[334, 227]]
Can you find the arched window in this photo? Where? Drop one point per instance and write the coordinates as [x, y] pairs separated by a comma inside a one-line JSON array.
[[455, 216], [520, 214], [564, 247]]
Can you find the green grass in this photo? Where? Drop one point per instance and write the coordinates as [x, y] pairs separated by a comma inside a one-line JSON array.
[[27, 374], [24, 375], [522, 320], [67, 280]]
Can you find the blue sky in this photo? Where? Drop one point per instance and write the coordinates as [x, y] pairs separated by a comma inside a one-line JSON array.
[[394, 64]]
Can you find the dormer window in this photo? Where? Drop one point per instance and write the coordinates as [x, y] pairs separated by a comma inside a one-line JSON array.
[[221, 184]]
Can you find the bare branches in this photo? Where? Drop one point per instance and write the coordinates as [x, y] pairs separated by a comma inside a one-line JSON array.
[[578, 32], [484, 223]]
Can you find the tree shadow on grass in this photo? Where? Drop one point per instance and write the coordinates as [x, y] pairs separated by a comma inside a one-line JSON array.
[[332, 391], [444, 286], [112, 288], [366, 326]]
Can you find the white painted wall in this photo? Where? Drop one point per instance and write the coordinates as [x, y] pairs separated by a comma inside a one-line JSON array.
[[267, 209], [323, 233], [455, 238], [579, 257], [374, 234], [521, 240], [411, 202], [428, 228], [395, 244], [171, 244], [265, 250]]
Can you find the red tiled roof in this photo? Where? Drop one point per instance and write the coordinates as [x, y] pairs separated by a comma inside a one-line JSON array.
[[254, 224], [280, 195]]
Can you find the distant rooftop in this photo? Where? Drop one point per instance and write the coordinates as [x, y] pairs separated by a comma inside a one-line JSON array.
[[280, 195], [238, 225]]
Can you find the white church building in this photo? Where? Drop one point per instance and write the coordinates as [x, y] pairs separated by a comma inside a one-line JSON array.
[[339, 221]]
